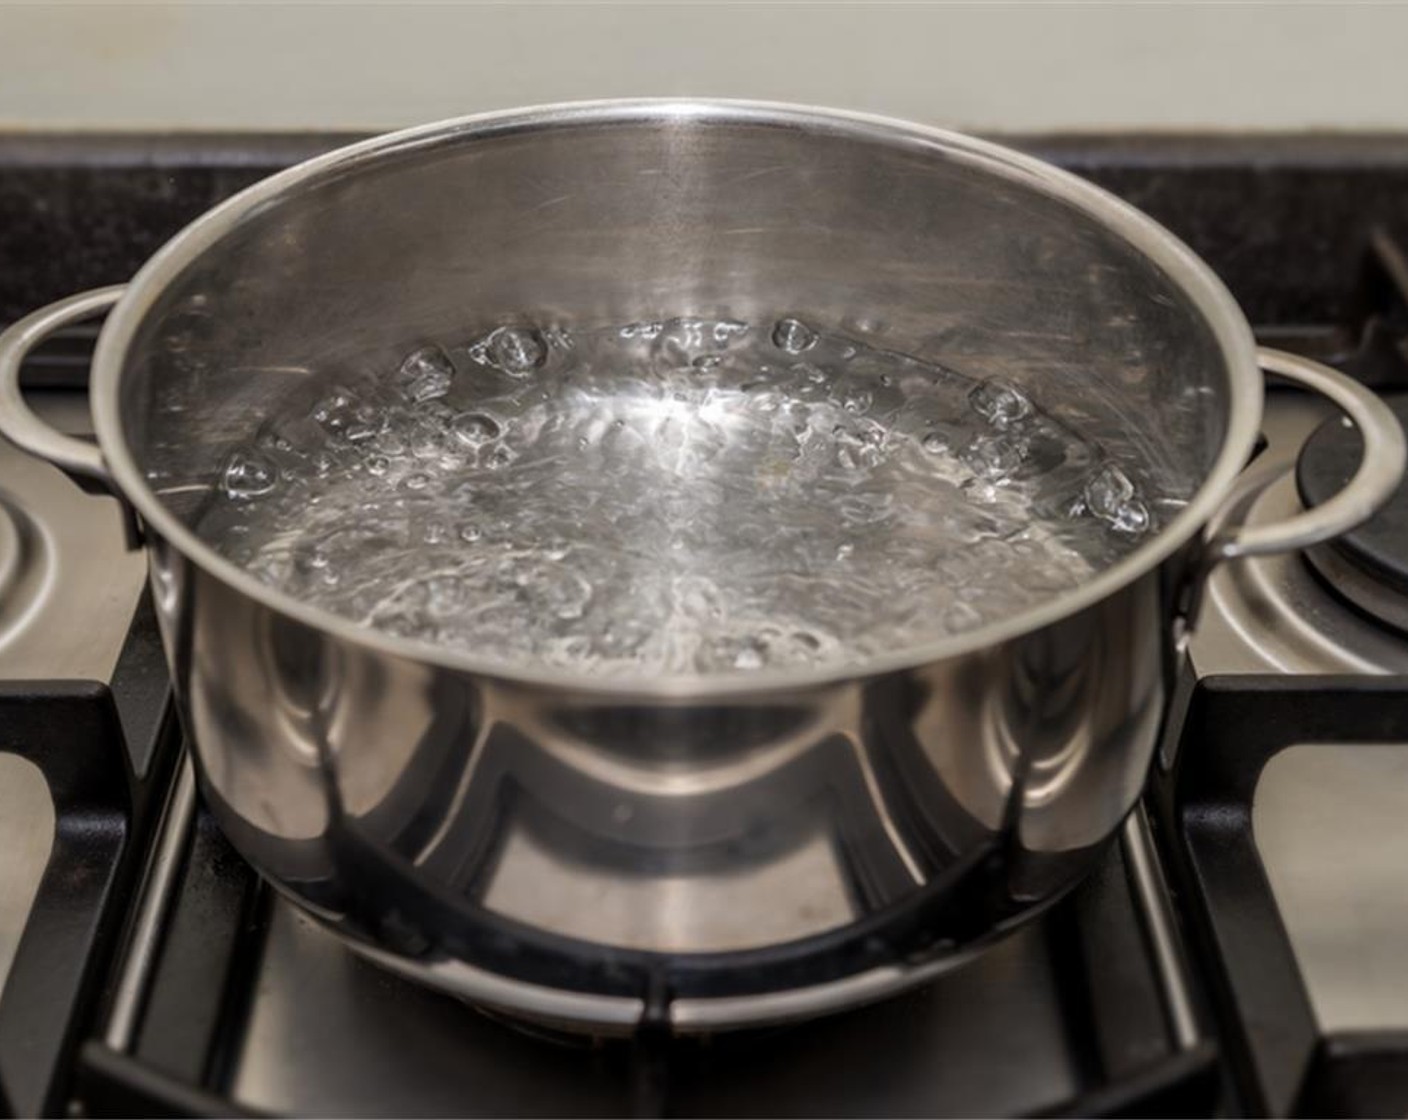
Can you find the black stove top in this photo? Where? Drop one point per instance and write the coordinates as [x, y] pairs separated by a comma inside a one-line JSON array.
[[155, 974]]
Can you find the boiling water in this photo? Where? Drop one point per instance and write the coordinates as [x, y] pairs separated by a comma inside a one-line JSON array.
[[681, 497]]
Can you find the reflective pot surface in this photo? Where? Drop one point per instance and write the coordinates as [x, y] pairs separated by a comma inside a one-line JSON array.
[[493, 831], [718, 851]]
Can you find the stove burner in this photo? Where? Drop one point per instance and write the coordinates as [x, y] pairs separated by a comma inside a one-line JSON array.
[[1369, 566]]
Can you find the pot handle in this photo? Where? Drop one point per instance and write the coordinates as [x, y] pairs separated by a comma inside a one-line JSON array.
[[1380, 467], [78, 458]]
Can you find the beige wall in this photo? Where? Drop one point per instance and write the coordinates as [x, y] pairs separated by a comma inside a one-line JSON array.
[[1024, 66]]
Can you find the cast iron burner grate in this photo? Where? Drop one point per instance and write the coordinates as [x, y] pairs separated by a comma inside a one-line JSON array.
[[1282, 1063]]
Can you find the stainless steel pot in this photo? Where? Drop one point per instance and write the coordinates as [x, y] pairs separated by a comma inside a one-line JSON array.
[[720, 851]]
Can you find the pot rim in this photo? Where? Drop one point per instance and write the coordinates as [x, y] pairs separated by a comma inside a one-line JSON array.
[[1183, 267]]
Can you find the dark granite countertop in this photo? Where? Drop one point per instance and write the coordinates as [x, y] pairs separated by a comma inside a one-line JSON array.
[[1285, 220]]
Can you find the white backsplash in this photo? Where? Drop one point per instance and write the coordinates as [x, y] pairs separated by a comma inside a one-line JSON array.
[[994, 67]]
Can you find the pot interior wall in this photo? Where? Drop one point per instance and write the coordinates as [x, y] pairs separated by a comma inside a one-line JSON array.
[[897, 240]]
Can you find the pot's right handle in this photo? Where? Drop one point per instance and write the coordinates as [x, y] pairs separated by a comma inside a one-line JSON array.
[[1380, 467], [18, 423]]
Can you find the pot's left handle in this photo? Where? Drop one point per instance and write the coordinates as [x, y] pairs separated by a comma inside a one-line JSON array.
[[78, 458], [18, 423]]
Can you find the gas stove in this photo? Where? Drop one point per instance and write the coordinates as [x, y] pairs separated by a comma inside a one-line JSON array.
[[1236, 951]]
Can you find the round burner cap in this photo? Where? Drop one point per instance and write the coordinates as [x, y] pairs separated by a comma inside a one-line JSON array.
[[1369, 565]]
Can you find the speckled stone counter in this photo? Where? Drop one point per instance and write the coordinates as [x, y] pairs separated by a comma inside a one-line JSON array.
[[1285, 220]]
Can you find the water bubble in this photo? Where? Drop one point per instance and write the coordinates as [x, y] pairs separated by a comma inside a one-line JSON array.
[[805, 640], [707, 361], [865, 509], [858, 401], [981, 491], [501, 457], [517, 351], [416, 481], [473, 429], [391, 444], [1108, 492], [378, 464], [935, 444], [793, 336], [765, 401], [248, 474], [994, 457], [334, 412], [999, 403], [563, 594], [574, 649], [749, 657], [427, 374], [698, 598], [470, 533], [1132, 519], [960, 616]]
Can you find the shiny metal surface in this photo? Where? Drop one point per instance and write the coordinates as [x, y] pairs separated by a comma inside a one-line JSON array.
[[1380, 468], [1331, 827], [70, 585], [612, 212], [1272, 613], [765, 845], [326, 766], [156, 898], [26, 838], [1152, 893], [23, 427]]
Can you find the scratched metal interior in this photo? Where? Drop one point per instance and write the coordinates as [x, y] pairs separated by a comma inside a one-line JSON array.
[[941, 254]]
